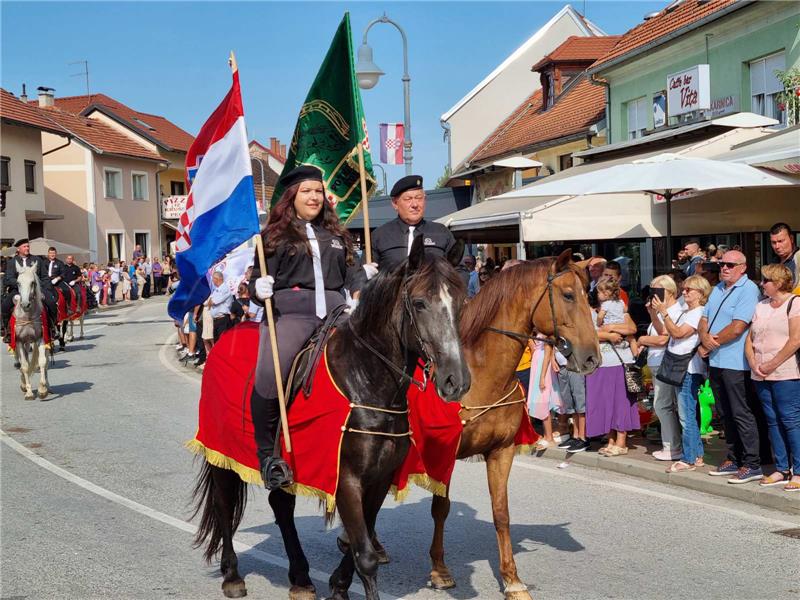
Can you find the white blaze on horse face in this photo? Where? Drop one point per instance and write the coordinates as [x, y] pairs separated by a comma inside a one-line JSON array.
[[452, 346], [26, 281]]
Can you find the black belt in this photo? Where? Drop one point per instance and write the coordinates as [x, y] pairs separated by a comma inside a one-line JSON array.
[[223, 316]]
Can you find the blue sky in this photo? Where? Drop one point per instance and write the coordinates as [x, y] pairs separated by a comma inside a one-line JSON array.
[[169, 58]]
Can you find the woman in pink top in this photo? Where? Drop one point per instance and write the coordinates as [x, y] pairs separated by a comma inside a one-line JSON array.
[[771, 350]]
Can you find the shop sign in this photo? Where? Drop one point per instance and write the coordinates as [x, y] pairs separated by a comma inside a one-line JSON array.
[[659, 199], [724, 105], [172, 207], [689, 90]]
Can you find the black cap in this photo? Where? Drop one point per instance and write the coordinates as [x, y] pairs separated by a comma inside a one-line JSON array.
[[21, 241], [301, 173], [409, 182]]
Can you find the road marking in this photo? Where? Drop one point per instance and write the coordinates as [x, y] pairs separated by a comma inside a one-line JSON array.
[[654, 494], [156, 515]]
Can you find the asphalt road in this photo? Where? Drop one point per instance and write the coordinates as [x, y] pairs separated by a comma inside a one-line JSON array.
[[95, 486]]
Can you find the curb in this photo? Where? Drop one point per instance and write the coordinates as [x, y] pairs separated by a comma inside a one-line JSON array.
[[700, 481]]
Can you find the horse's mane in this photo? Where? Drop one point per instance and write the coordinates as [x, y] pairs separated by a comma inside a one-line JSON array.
[[380, 296], [521, 279]]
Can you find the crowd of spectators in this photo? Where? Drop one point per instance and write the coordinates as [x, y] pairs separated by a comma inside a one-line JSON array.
[[709, 325]]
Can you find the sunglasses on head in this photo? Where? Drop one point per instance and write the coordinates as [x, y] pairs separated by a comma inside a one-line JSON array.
[[729, 265]]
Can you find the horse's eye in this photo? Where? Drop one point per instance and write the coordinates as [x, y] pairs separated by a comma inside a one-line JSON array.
[[420, 304], [569, 296]]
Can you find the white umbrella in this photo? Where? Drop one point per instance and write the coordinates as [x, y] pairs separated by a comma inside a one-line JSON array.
[[665, 174]]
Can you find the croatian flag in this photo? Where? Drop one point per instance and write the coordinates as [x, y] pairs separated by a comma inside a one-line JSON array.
[[220, 211], [392, 135]]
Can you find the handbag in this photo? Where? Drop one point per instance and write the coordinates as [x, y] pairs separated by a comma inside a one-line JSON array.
[[673, 367], [634, 382]]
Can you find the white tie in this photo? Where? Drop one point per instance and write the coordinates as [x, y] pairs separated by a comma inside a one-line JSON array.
[[319, 282], [50, 269], [410, 237]]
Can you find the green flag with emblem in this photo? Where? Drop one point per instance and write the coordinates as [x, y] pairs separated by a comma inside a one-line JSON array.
[[330, 127]]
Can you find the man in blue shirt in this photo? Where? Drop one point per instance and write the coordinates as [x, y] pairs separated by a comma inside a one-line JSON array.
[[220, 303], [695, 256], [723, 330]]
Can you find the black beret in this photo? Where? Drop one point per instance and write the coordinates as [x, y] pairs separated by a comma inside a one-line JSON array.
[[21, 241], [301, 173], [409, 182]]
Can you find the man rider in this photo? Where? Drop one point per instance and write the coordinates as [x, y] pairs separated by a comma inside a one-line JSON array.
[[55, 273], [391, 242], [72, 276], [23, 259]]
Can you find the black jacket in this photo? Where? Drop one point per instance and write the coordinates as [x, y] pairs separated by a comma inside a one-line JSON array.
[[12, 271], [390, 241]]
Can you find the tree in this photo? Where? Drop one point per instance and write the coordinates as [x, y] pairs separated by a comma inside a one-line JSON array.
[[442, 181]]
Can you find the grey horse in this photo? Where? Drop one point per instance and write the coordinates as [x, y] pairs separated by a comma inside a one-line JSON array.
[[30, 345]]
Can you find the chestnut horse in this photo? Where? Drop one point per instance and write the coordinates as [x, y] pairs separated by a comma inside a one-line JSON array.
[[544, 296]]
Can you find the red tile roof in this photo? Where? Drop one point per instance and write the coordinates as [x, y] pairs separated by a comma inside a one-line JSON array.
[[578, 49], [164, 132], [15, 111], [580, 106], [98, 134], [672, 18]]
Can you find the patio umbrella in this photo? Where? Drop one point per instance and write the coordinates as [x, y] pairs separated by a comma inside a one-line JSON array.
[[39, 247], [666, 175]]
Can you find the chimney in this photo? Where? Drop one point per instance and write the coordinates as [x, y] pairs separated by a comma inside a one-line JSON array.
[[24, 96], [46, 96], [273, 145], [283, 150]]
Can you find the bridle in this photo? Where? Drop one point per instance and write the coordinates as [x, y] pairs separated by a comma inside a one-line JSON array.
[[429, 365], [560, 343]]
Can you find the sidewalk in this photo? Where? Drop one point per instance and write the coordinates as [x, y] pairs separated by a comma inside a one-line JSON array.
[[639, 463]]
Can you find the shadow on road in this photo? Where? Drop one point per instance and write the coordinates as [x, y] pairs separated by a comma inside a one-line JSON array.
[[73, 346], [467, 540], [65, 389]]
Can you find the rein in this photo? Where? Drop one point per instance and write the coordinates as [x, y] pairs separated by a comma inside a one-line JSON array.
[[558, 342], [402, 373], [487, 407]]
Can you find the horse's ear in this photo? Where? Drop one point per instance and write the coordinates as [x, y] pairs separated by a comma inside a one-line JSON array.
[[417, 254], [583, 264], [456, 253], [563, 261]]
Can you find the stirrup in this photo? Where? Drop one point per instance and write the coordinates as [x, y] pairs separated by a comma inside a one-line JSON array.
[[276, 473]]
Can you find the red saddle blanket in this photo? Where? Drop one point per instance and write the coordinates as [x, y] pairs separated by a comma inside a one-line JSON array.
[[12, 326], [72, 307], [316, 426]]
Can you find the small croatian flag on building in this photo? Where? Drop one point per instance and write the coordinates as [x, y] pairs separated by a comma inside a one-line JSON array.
[[221, 208], [392, 135]]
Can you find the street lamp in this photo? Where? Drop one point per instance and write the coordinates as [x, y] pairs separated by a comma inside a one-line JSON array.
[[385, 188], [368, 73]]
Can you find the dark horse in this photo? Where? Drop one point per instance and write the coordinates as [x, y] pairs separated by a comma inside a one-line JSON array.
[[409, 314]]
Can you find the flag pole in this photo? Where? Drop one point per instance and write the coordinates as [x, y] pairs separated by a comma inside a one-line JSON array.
[[273, 340], [364, 203]]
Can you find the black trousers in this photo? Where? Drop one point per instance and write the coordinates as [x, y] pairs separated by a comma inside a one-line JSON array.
[[742, 417], [295, 323], [221, 325]]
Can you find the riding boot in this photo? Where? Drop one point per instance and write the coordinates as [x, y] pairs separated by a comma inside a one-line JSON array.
[[275, 472]]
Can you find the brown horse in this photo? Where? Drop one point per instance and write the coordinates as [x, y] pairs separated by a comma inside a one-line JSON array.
[[545, 296]]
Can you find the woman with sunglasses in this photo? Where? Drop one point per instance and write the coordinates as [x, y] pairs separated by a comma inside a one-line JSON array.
[[665, 404], [681, 326], [771, 350]]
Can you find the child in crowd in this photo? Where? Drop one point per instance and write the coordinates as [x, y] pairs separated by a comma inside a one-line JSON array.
[[612, 309], [543, 392]]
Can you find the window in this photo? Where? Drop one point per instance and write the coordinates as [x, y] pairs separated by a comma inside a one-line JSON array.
[[177, 188], [112, 183], [30, 176], [765, 86], [114, 245], [637, 118], [5, 182], [564, 162], [142, 239], [548, 90], [143, 124], [139, 185]]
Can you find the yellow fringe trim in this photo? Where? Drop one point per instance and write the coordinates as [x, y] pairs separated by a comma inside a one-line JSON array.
[[246, 474], [525, 449], [299, 489], [424, 481]]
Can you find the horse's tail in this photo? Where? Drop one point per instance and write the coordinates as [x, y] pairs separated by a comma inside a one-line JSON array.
[[219, 495]]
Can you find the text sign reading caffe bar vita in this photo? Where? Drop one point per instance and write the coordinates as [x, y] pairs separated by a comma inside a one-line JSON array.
[[172, 207], [689, 90]]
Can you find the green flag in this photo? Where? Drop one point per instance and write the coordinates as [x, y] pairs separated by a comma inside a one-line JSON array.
[[330, 127]]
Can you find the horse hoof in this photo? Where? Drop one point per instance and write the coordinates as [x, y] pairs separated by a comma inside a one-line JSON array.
[[297, 592], [383, 557], [30, 396], [43, 394], [339, 596], [518, 594], [442, 581], [234, 589]]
